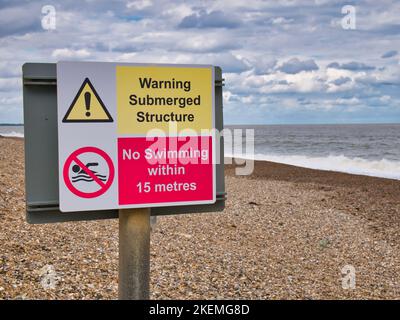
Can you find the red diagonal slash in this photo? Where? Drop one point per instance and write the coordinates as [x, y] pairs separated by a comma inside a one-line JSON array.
[[89, 172]]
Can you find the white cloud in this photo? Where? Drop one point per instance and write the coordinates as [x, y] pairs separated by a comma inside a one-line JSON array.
[[209, 42], [282, 21], [11, 100], [139, 5], [10, 84], [70, 54], [177, 12], [351, 101]]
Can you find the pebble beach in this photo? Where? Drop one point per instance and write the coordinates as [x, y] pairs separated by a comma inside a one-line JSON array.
[[286, 233]]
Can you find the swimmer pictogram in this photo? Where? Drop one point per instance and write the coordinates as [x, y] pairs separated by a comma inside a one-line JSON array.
[[81, 174]]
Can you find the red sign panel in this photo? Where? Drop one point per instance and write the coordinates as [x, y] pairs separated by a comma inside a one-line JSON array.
[[165, 170]]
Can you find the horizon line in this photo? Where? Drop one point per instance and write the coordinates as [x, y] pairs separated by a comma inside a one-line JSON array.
[[269, 124], [311, 124]]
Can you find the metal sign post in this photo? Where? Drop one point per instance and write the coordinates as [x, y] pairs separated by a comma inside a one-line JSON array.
[[134, 254]]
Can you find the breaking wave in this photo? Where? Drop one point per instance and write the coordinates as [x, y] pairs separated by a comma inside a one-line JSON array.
[[12, 134], [378, 168]]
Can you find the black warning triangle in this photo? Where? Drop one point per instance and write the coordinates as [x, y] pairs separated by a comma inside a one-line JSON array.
[[87, 106]]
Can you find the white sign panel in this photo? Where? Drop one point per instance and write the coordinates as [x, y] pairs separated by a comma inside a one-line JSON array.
[[135, 135]]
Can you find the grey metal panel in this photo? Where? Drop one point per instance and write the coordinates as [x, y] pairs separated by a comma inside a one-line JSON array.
[[219, 125], [55, 215], [40, 128], [39, 71], [41, 152]]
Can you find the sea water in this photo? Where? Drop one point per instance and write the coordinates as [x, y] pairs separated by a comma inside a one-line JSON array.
[[12, 131], [366, 149]]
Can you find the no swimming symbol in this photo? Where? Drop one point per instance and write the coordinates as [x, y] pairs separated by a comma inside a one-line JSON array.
[[83, 181]]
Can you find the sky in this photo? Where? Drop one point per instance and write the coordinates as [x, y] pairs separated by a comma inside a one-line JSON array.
[[284, 61]]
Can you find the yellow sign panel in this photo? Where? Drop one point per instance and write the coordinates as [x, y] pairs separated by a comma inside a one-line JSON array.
[[87, 106], [151, 97]]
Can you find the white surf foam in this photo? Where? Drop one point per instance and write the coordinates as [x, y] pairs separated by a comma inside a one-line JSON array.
[[378, 168], [12, 134]]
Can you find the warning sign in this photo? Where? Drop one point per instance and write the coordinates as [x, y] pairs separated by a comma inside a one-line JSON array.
[[107, 156], [87, 106]]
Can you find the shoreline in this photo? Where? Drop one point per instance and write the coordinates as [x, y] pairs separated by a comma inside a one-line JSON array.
[[295, 169], [11, 137]]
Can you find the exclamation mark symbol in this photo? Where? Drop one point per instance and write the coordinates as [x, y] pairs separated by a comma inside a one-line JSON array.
[[87, 103]]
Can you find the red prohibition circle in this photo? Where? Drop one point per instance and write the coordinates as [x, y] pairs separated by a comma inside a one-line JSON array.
[[103, 186]]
